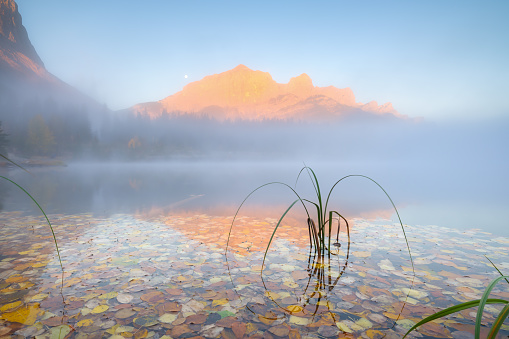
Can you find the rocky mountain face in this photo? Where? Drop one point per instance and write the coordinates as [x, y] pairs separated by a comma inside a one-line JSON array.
[[23, 77], [242, 93], [17, 55]]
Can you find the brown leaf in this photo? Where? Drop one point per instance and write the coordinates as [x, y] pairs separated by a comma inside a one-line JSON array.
[[268, 319], [174, 291], [141, 333], [227, 333], [125, 313], [294, 334], [239, 329], [197, 319], [226, 322], [172, 307], [55, 321], [152, 297], [178, 330], [280, 330]]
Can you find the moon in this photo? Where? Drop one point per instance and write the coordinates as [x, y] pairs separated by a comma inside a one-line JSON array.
[[185, 76]]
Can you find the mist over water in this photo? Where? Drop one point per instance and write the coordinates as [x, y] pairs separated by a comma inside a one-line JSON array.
[[452, 176]]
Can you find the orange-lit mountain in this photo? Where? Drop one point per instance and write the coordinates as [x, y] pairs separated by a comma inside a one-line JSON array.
[[242, 93], [18, 57]]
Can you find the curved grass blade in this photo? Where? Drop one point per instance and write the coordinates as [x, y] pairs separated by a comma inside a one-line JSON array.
[[498, 322], [393, 205], [245, 199], [495, 267], [482, 303], [274, 232], [47, 220], [298, 176], [454, 309], [15, 164]]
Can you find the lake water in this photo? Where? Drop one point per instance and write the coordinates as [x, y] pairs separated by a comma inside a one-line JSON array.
[[143, 251], [460, 197]]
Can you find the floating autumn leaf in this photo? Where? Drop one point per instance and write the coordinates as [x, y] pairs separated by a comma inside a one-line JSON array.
[[124, 298], [171, 307], [222, 301], [109, 295], [25, 315], [280, 330], [11, 306], [125, 313], [174, 291], [197, 319], [179, 330], [146, 321], [153, 297], [239, 329], [60, 332], [299, 320], [294, 308], [84, 322], [167, 318], [100, 309]]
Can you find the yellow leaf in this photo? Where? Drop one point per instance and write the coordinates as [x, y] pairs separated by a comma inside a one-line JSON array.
[[41, 264], [84, 322], [343, 327], [272, 295], [299, 320], [25, 315], [219, 302], [15, 278], [295, 308], [11, 306], [250, 327], [374, 334], [291, 284], [100, 309], [109, 295]]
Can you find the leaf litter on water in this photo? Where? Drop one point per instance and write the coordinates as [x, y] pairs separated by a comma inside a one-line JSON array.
[[137, 276]]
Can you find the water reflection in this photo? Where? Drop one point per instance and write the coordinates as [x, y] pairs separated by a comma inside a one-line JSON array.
[[422, 195]]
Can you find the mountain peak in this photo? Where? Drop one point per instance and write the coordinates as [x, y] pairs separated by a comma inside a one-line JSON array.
[[301, 85], [13, 35], [242, 67], [243, 93]]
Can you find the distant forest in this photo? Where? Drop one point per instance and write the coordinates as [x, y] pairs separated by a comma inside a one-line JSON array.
[[74, 132]]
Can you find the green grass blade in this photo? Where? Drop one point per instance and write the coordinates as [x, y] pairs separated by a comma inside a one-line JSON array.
[[274, 232], [454, 309], [393, 205], [47, 220], [314, 179], [15, 164], [496, 267], [245, 199], [498, 322], [482, 303], [298, 176]]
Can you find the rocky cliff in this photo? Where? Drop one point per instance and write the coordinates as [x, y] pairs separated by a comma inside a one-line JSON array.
[[242, 93]]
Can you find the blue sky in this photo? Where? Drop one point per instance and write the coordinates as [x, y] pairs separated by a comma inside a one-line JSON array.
[[441, 60]]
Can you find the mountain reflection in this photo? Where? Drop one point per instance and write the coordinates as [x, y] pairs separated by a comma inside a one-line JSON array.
[[217, 188]]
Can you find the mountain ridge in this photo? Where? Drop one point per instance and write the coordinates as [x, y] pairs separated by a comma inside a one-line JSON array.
[[243, 93]]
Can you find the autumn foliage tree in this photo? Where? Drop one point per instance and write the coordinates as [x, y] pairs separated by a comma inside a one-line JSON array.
[[40, 139], [4, 142]]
